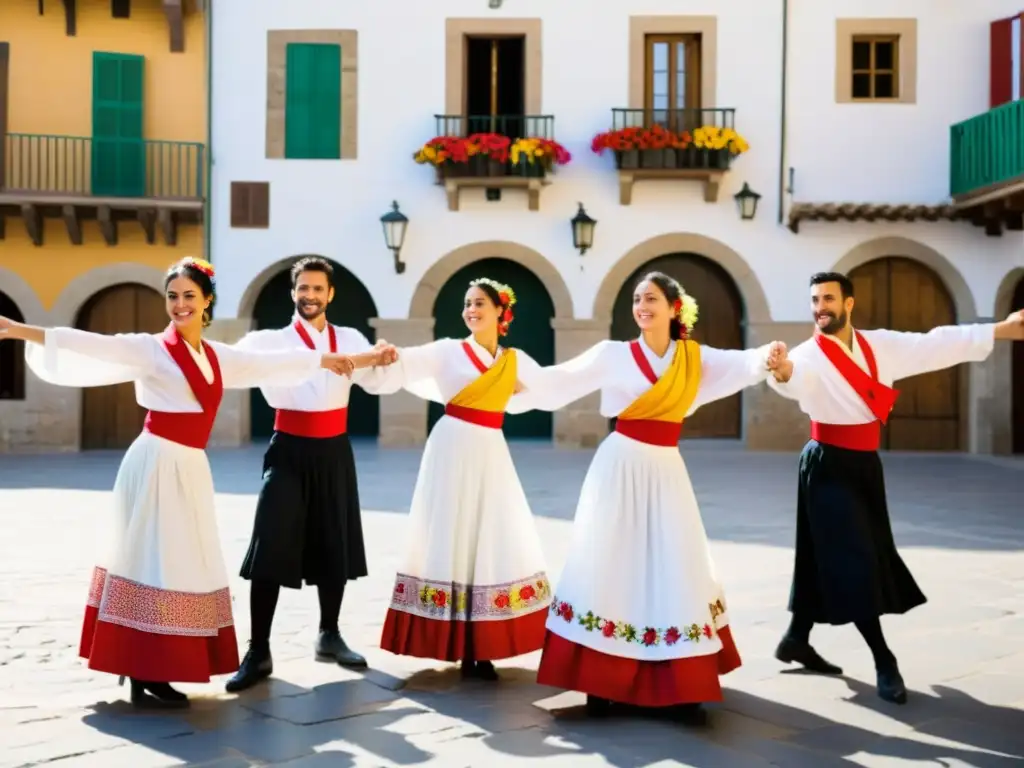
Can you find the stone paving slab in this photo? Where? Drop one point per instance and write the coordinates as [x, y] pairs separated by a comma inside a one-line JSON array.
[[957, 520]]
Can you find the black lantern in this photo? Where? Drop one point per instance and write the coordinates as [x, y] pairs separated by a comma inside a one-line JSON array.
[[582, 231], [747, 199], [395, 223]]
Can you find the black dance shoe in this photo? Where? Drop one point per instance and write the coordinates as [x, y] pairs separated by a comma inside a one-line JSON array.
[[330, 646], [790, 650], [256, 666], [690, 714], [598, 707], [890, 684], [149, 695]]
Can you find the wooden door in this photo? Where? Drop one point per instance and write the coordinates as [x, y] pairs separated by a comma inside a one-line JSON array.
[[110, 416], [531, 330], [1017, 380], [353, 307], [903, 295], [720, 325]]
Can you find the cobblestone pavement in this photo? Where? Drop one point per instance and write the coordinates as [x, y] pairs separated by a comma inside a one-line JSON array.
[[957, 520]]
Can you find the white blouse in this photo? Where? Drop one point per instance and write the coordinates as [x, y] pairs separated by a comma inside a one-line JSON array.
[[73, 358], [325, 391], [825, 396], [609, 367]]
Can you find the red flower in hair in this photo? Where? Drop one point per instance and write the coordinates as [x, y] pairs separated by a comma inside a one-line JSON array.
[[504, 298], [677, 306], [507, 316]]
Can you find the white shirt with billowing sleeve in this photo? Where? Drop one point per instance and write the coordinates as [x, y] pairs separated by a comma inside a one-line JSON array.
[[325, 391], [609, 367], [825, 396], [74, 358]]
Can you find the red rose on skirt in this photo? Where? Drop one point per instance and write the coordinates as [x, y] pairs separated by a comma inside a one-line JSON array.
[[650, 636], [440, 598], [672, 636], [707, 630], [400, 588], [502, 600], [608, 629], [565, 611], [526, 592]]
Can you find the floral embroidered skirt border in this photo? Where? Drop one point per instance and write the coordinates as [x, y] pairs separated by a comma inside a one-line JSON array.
[[652, 631], [473, 580], [159, 607]]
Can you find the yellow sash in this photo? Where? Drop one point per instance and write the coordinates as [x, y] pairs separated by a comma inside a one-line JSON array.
[[672, 395], [493, 388]]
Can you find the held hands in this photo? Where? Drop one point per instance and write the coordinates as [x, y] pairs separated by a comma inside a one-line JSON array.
[[7, 328], [1012, 328], [778, 361], [386, 353], [339, 364]]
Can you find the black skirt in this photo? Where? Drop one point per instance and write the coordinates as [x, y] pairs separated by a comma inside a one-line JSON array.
[[308, 525], [847, 567]]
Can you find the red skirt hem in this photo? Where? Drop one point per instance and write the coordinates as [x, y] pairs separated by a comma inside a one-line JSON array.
[[154, 657], [406, 634], [693, 680]]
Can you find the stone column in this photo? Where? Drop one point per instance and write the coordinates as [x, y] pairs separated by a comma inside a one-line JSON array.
[[770, 421], [403, 416], [232, 427], [579, 424], [989, 402]]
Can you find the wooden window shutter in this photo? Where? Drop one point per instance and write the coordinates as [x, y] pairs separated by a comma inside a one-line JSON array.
[[312, 125], [1001, 53], [250, 204], [121, 9]]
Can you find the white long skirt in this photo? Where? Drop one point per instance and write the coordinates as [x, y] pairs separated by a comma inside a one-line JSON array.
[[473, 581], [639, 614], [159, 607]]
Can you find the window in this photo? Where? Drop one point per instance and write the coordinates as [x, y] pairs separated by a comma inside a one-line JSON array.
[[12, 356], [312, 113], [875, 70], [250, 204], [672, 80], [876, 61], [121, 9]]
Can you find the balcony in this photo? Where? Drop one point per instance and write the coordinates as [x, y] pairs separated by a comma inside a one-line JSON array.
[[154, 183], [671, 144], [986, 168], [493, 152]]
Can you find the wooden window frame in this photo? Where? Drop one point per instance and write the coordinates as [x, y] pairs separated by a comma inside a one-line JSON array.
[[243, 196], [873, 71], [904, 31], [692, 73]]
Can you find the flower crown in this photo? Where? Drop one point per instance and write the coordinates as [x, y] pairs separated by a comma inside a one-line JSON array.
[[506, 296], [684, 309], [199, 264]]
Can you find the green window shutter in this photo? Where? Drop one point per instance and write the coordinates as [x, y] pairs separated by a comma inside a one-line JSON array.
[[118, 150], [312, 115]]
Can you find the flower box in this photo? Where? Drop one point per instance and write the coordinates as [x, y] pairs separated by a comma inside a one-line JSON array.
[[658, 148], [489, 155]]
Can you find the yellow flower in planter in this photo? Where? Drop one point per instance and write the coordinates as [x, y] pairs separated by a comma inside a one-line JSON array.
[[528, 148], [712, 137]]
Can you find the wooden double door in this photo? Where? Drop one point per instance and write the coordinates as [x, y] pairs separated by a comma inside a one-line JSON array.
[[720, 325], [110, 416], [904, 295]]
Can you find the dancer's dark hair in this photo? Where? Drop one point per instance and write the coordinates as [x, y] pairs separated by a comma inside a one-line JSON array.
[[673, 293]]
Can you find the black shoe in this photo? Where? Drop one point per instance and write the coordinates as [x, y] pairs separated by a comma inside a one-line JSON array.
[[598, 707], [690, 714], [147, 695], [802, 653], [890, 684], [256, 666], [330, 646]]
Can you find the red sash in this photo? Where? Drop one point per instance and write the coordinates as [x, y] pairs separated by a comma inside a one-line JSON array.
[[650, 431], [190, 429], [879, 398], [474, 358], [320, 424]]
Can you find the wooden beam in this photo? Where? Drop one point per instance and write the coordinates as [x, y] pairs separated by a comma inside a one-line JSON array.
[[168, 225], [107, 224], [70, 215], [33, 222], [147, 218], [176, 24], [70, 18]]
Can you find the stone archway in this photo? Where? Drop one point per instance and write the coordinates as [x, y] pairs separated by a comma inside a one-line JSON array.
[[74, 296], [755, 301], [1006, 404], [21, 293]]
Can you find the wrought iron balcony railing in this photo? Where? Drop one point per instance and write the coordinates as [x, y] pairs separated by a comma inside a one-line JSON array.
[[101, 167], [512, 126], [674, 119], [987, 149]]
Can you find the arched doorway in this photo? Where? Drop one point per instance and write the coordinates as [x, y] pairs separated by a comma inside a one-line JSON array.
[[12, 355], [1017, 381], [110, 416], [531, 331], [720, 325], [353, 307], [904, 295]]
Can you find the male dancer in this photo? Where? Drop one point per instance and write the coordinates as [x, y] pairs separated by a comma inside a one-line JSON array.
[[846, 567], [308, 525]]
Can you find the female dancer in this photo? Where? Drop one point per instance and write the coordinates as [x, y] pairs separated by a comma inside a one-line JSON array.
[[158, 609], [472, 585], [653, 632]]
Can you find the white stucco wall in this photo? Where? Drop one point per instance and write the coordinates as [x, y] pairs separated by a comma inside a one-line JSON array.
[[860, 153]]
